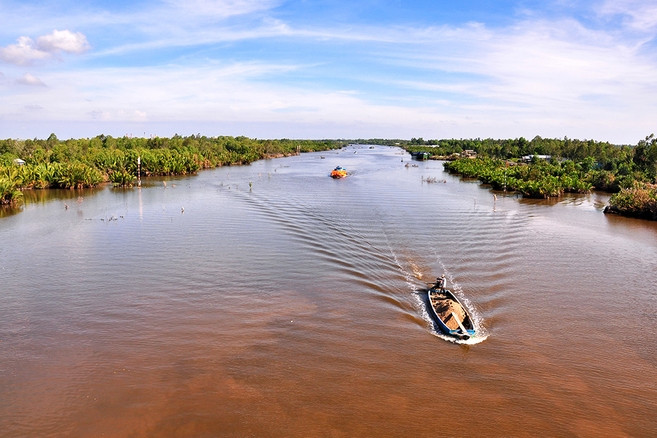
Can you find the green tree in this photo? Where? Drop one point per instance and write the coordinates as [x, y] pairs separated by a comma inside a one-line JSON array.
[[645, 156]]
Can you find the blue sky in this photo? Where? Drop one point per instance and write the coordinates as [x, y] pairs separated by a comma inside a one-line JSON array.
[[329, 68]]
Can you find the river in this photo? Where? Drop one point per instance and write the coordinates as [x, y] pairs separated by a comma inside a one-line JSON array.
[[271, 300]]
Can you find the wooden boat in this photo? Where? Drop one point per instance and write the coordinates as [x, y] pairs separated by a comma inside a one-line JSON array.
[[450, 315], [339, 172]]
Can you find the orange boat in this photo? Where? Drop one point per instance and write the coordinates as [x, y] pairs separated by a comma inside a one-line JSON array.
[[339, 172]]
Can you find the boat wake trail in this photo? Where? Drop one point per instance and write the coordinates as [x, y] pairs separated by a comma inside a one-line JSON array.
[[328, 237], [410, 269], [356, 243]]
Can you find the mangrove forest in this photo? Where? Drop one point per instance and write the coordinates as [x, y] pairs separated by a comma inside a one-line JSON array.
[[80, 163], [537, 168], [544, 168]]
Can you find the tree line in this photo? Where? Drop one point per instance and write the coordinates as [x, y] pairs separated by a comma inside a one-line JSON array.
[[79, 163], [574, 166]]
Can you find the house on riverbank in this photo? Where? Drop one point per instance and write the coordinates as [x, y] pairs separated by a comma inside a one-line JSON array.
[[530, 158]]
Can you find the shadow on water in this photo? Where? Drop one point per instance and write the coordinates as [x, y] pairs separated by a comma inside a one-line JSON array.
[[7, 210], [44, 196], [48, 195]]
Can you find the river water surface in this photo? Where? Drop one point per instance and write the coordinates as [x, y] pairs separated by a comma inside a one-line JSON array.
[[272, 301]]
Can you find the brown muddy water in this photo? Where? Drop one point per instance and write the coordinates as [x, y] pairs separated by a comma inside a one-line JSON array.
[[272, 301]]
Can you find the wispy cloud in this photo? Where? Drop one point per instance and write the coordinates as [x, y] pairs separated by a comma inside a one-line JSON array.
[[216, 9], [637, 15]]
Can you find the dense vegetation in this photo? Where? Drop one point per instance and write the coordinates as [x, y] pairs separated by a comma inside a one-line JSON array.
[[540, 179], [81, 163], [637, 201], [603, 153], [575, 166]]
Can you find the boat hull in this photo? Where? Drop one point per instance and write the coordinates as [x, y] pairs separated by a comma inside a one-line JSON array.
[[450, 315], [339, 172]]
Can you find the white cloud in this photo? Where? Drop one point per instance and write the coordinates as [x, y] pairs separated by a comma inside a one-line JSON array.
[[26, 51], [549, 64], [23, 52], [30, 80], [63, 40]]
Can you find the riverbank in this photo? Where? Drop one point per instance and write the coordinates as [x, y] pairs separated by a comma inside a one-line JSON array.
[[541, 179], [540, 168], [545, 168], [639, 202], [84, 163]]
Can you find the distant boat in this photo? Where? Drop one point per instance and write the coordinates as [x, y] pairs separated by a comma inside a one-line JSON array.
[[452, 317], [420, 155], [339, 172]]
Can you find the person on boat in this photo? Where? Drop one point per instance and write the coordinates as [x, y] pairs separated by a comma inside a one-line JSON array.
[[441, 283]]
